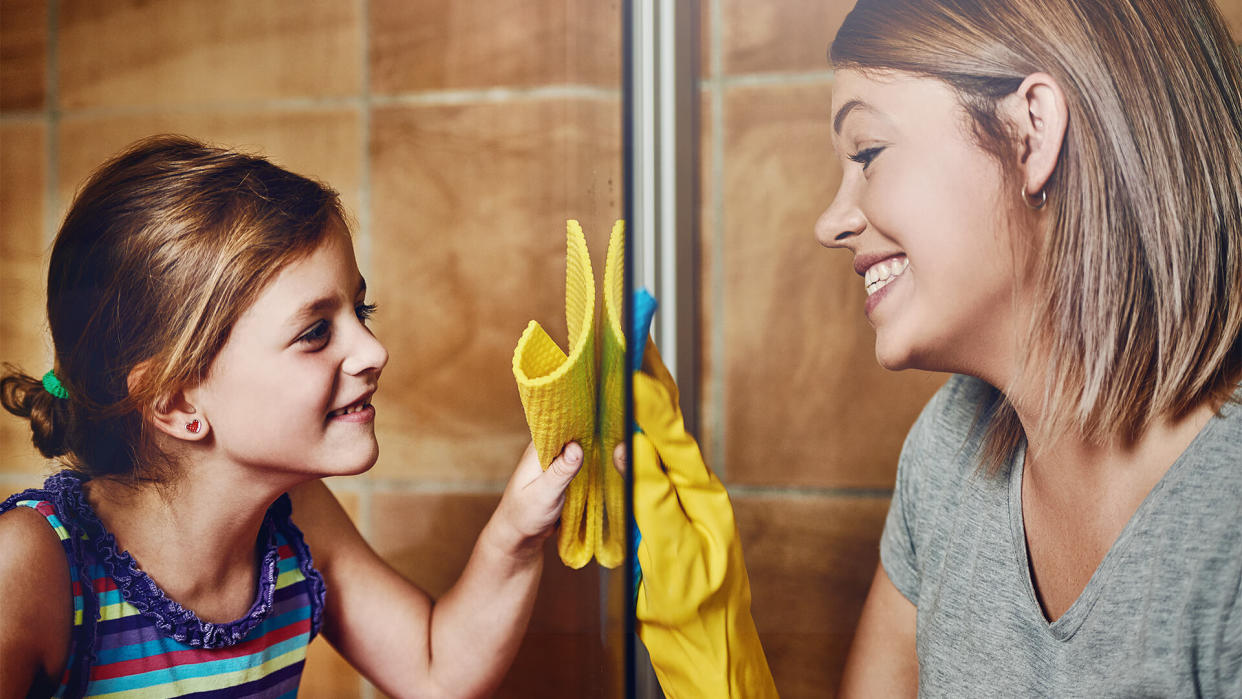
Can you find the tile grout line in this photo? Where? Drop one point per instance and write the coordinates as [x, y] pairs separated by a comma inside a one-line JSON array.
[[366, 486], [51, 114], [366, 690], [717, 264], [799, 492], [403, 486], [21, 116], [51, 176], [777, 78], [500, 94], [310, 104]]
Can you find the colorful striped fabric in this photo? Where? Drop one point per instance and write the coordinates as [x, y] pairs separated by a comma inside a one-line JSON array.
[[134, 659]]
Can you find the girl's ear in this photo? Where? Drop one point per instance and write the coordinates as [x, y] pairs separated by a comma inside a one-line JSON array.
[[179, 418], [174, 415], [1040, 116]]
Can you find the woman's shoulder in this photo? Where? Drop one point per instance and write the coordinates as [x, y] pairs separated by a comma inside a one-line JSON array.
[[953, 417]]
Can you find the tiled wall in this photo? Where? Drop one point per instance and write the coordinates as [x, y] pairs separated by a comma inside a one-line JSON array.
[[460, 135], [801, 422]]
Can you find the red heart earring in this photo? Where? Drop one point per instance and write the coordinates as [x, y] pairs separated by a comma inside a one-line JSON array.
[[194, 426]]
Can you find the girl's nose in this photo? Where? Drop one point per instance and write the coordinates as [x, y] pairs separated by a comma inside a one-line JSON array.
[[368, 353]]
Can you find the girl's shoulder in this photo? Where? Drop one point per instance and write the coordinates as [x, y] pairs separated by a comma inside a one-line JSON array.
[[36, 594]]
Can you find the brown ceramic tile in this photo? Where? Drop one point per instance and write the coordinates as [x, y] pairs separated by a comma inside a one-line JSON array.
[[442, 44], [350, 501], [705, 38], [199, 52], [23, 54], [1232, 9], [17, 482], [806, 404], [319, 143], [23, 317], [470, 204], [327, 675], [810, 562], [762, 36], [429, 538], [709, 420]]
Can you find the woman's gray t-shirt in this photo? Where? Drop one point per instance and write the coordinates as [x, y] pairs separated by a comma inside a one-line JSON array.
[[1161, 616]]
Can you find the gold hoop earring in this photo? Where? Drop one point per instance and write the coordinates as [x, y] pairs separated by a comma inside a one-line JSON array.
[[1043, 199]]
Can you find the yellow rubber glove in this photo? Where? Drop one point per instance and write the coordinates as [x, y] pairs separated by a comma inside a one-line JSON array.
[[693, 605]]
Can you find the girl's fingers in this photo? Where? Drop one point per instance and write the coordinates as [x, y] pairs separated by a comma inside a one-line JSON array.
[[556, 477], [620, 459]]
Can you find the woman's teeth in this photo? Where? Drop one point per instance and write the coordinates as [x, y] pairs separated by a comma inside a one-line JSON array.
[[881, 273], [349, 409]]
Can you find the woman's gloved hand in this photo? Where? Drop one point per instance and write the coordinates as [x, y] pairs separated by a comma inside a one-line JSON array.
[[693, 604]]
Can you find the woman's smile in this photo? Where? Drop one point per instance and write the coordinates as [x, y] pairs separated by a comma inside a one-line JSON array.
[[880, 279]]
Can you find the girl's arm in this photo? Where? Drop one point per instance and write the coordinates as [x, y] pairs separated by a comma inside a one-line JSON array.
[[462, 644], [882, 660], [36, 605]]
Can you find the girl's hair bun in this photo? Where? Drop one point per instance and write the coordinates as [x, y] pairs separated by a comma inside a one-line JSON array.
[[49, 416]]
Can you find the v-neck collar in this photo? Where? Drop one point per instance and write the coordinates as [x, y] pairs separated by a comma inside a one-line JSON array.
[[1065, 626]]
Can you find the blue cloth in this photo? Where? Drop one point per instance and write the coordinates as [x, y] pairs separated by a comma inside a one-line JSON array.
[[644, 309]]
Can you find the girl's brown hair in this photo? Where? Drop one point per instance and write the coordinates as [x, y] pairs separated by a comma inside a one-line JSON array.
[[162, 250], [1138, 282]]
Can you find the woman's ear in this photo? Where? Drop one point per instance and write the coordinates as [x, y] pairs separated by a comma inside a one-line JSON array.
[[174, 415], [1040, 115]]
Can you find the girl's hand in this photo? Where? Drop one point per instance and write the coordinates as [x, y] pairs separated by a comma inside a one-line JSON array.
[[531, 504]]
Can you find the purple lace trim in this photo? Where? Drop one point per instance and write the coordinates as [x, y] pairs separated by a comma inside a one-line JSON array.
[[64, 491], [144, 594], [179, 623], [282, 510]]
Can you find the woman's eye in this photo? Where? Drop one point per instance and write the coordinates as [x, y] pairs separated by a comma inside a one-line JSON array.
[[316, 334], [865, 156], [365, 311]]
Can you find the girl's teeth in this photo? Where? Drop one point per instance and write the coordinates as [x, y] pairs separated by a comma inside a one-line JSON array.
[[351, 409]]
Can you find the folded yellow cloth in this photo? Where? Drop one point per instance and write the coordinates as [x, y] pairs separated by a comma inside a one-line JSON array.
[[579, 397]]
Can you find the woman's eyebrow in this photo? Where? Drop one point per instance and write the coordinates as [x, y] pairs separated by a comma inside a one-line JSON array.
[[845, 110]]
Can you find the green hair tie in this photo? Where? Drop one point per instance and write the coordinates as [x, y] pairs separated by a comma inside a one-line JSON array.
[[53, 386]]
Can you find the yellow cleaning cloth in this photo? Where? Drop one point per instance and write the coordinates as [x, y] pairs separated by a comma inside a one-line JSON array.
[[565, 402]]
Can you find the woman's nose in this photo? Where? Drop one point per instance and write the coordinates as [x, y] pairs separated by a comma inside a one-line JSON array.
[[841, 222]]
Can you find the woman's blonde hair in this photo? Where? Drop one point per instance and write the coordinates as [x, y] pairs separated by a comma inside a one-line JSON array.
[[1138, 284], [162, 250]]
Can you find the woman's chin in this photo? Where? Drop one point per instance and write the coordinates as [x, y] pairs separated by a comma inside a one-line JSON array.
[[892, 354], [898, 354]]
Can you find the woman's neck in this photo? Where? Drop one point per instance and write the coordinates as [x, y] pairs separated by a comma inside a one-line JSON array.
[[195, 537], [1066, 456]]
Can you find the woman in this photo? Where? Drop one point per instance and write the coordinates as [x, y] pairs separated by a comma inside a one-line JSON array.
[[1046, 198]]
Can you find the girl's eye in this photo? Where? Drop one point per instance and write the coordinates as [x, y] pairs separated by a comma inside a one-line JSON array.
[[865, 156], [316, 334], [322, 330]]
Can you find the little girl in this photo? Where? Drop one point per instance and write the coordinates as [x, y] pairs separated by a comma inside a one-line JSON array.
[[212, 363]]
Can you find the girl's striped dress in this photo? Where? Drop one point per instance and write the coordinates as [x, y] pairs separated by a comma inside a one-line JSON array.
[[130, 641]]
